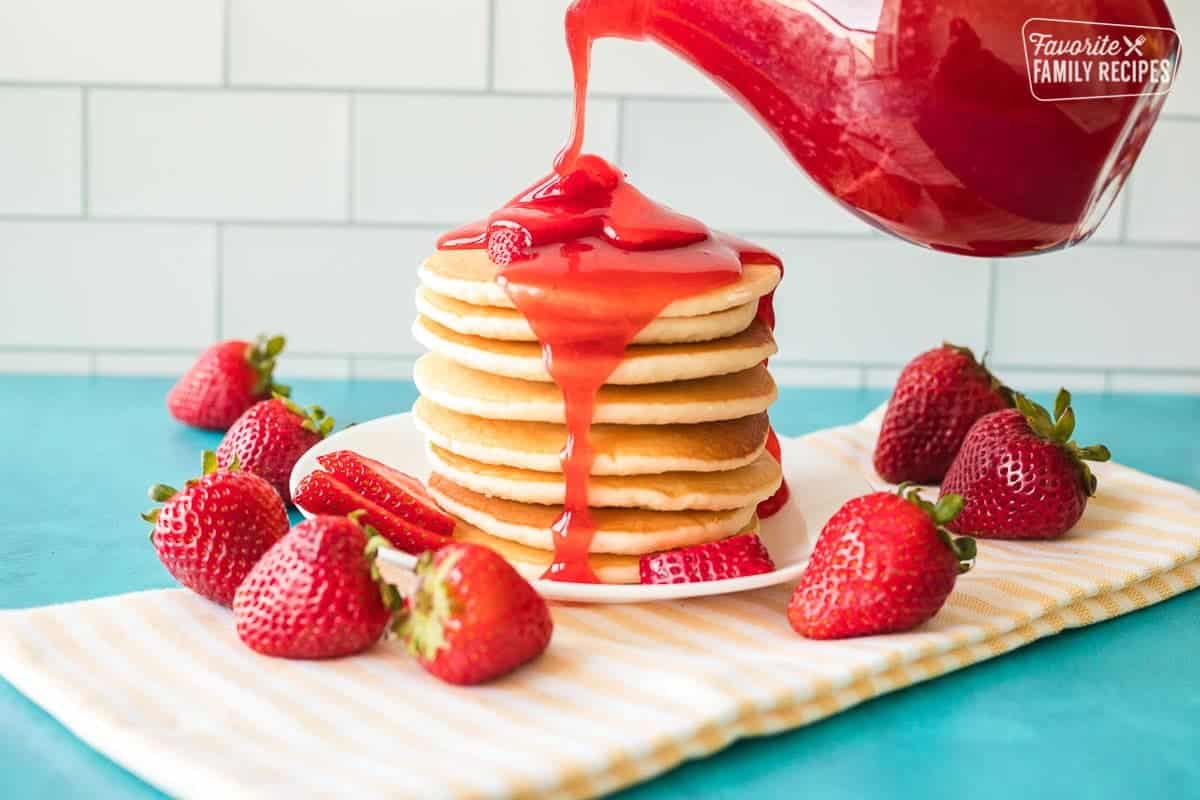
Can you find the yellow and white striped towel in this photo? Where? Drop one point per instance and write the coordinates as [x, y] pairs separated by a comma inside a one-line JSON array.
[[159, 682]]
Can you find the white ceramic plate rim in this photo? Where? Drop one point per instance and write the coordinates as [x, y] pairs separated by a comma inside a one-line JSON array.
[[371, 438]]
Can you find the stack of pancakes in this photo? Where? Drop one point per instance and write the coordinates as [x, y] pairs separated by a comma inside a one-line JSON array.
[[679, 427]]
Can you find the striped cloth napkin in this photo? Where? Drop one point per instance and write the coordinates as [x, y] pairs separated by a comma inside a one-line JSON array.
[[159, 682]]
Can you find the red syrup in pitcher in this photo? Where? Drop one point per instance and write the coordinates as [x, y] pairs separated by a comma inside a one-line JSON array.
[[590, 261], [920, 116]]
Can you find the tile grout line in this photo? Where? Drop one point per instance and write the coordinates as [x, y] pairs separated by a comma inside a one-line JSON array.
[[989, 341], [353, 364], [351, 155], [1126, 211], [716, 99], [439, 226], [490, 78], [435, 225], [1186, 372], [226, 40], [85, 157], [219, 283], [620, 143]]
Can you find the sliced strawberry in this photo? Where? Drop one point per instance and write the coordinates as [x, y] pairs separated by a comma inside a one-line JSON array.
[[775, 503], [396, 492], [322, 493], [771, 506], [735, 557], [508, 244]]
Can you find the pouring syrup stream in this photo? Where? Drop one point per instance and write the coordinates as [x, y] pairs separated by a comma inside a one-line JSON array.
[[590, 261]]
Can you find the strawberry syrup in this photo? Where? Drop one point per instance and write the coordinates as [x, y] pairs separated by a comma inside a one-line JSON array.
[[586, 21], [590, 261], [593, 262]]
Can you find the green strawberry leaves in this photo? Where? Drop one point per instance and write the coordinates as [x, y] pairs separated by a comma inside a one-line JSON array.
[[262, 355], [161, 492], [1059, 429], [433, 607], [315, 418], [942, 513]]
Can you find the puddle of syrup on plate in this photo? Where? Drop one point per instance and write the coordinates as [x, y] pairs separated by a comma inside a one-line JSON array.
[[590, 261]]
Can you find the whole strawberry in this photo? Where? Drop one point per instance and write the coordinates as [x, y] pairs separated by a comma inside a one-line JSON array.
[[210, 534], [317, 593], [937, 398], [1021, 474], [472, 618], [882, 564], [270, 437], [226, 379]]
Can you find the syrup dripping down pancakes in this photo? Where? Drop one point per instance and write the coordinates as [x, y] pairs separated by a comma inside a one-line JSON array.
[[677, 425]]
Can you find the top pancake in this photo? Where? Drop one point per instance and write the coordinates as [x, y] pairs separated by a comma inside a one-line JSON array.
[[509, 324], [470, 276]]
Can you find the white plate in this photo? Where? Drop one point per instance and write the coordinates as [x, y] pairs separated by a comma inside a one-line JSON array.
[[819, 483]]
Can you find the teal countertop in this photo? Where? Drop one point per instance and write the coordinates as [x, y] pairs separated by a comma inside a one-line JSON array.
[[1110, 711]]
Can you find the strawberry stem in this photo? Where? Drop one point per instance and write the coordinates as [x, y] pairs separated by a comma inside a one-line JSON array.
[[1059, 430], [161, 493], [388, 593], [432, 606], [947, 508], [261, 355], [316, 420]]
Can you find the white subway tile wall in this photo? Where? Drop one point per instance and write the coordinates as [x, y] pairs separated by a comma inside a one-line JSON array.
[[530, 58], [753, 187], [1103, 307], [1185, 97], [114, 41], [173, 171], [41, 144], [174, 154], [415, 44], [107, 285], [447, 160], [874, 301], [1164, 183], [333, 290]]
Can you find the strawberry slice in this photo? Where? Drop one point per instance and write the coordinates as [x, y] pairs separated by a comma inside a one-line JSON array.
[[323, 493], [775, 503], [394, 491], [771, 506], [735, 557]]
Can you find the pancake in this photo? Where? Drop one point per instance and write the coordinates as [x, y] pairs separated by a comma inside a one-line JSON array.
[[618, 530], [532, 563], [643, 363], [620, 449], [483, 394], [666, 491], [510, 325], [470, 276]]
